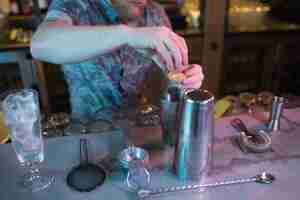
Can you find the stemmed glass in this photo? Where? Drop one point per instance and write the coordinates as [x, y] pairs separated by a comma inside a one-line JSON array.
[[22, 117]]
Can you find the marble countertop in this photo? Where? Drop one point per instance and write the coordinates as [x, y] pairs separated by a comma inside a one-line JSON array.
[[230, 162]]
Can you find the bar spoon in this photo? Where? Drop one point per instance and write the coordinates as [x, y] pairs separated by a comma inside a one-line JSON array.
[[263, 178]]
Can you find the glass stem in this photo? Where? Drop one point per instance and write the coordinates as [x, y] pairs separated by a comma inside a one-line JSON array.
[[33, 170]]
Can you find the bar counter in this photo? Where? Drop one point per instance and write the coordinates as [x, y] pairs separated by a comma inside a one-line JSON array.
[[62, 153]]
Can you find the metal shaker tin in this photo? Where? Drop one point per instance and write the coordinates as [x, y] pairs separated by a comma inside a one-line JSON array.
[[168, 113], [195, 131]]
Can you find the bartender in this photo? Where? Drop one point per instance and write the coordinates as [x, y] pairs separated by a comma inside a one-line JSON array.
[[107, 46]]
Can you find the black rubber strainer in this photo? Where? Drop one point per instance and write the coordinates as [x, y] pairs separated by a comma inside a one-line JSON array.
[[86, 176]]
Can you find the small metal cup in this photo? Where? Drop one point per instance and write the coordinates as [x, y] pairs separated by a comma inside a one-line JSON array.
[[194, 143], [275, 115], [168, 113], [130, 154], [134, 163]]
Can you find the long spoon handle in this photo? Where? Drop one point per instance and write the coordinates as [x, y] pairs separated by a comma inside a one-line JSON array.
[[264, 178]]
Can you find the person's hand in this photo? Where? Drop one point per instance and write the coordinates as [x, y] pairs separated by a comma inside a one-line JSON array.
[[194, 76], [169, 49]]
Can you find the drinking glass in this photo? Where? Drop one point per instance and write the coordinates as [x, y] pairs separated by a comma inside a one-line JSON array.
[[22, 117]]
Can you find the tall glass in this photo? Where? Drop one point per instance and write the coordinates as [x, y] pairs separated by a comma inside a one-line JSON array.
[[22, 117]]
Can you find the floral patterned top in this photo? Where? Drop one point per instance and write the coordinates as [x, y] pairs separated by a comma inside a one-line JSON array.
[[103, 82]]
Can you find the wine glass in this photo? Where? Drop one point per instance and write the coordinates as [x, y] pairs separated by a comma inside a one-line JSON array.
[[22, 117]]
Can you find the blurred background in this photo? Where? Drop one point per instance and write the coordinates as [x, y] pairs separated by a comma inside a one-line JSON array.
[[244, 46]]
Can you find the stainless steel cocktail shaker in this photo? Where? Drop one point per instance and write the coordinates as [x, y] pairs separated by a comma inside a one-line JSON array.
[[169, 113], [195, 131]]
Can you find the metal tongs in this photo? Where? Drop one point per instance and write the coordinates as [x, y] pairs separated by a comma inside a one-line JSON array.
[[240, 126], [256, 142]]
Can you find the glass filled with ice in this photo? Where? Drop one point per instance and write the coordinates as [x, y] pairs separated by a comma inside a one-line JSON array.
[[22, 117]]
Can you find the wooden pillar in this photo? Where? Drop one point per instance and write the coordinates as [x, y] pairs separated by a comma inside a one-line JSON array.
[[27, 75], [42, 85], [213, 44]]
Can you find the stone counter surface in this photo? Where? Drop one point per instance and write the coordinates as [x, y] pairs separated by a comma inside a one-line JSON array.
[[62, 154]]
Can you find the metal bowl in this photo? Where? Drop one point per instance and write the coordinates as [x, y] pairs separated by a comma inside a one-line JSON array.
[[133, 154]]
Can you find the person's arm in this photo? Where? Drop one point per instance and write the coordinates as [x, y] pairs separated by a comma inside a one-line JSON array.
[[61, 42]]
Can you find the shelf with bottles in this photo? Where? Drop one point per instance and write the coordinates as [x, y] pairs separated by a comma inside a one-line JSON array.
[[242, 16], [184, 15], [246, 6], [27, 14], [255, 16], [26, 9], [21, 18]]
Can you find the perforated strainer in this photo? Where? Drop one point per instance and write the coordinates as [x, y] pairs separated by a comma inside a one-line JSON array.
[[86, 176]]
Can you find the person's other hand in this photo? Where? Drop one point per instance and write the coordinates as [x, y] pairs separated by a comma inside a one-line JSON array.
[[194, 76], [170, 48]]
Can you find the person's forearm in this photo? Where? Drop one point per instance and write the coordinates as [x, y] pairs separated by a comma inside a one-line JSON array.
[[63, 44]]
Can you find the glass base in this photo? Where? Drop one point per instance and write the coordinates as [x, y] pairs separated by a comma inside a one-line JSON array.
[[36, 181]]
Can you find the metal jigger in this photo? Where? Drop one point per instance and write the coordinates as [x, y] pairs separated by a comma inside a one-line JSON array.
[[277, 108]]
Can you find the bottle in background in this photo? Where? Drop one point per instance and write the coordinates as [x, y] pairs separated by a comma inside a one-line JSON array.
[[5, 6], [43, 4], [27, 6], [14, 7]]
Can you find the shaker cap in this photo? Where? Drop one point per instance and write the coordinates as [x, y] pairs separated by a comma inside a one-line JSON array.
[[173, 94], [199, 96]]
